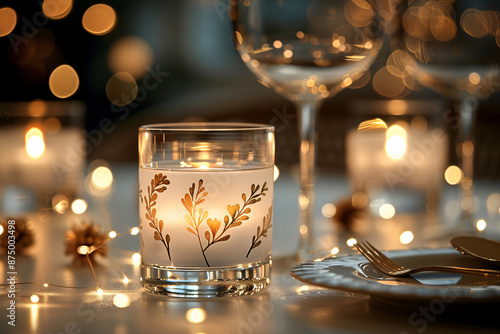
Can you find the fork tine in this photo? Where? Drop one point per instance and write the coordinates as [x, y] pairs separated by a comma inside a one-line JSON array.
[[369, 256], [376, 257], [389, 262]]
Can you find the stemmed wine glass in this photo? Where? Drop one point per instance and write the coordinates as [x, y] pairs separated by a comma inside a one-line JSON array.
[[307, 51], [456, 50]]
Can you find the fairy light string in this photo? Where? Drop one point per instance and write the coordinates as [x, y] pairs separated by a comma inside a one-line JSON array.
[[89, 251]]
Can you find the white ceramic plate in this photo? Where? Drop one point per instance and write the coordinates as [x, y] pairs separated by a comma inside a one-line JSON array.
[[353, 273]]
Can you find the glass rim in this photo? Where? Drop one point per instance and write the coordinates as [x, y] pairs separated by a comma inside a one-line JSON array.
[[204, 127]]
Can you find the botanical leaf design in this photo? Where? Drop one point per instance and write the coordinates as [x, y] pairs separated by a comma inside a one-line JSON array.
[[236, 216], [158, 185], [195, 217], [267, 223]]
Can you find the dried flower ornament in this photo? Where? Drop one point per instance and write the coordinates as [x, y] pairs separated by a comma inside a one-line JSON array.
[[84, 241], [22, 231]]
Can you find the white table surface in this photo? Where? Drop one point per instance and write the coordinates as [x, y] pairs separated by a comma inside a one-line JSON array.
[[287, 306]]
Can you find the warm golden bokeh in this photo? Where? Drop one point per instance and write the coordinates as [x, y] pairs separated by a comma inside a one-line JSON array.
[[99, 19], [64, 81], [121, 89], [37, 108], [453, 175], [8, 20], [359, 13], [387, 84], [57, 9], [131, 54]]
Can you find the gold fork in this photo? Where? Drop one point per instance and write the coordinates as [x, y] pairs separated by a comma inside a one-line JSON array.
[[391, 268]]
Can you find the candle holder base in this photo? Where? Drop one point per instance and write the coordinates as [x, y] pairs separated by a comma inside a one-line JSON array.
[[231, 281]]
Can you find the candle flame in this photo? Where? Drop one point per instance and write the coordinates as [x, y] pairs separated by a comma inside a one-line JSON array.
[[35, 145]]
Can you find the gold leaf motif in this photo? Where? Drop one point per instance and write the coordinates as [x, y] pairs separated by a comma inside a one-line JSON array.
[[158, 183]]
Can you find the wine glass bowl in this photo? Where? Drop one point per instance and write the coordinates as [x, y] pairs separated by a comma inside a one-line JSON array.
[[307, 51], [455, 47]]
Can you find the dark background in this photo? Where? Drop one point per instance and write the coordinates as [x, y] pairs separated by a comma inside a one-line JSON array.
[[192, 41]]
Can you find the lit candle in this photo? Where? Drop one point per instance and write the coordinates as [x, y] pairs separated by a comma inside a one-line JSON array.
[[206, 206]]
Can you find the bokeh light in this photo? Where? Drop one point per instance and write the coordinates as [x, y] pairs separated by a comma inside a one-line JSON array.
[[99, 19], [102, 177], [351, 242], [136, 259], [121, 89], [121, 301], [34, 299], [112, 234], [276, 173], [79, 206], [134, 231], [8, 20], [328, 210], [406, 237], [387, 84], [60, 203], [453, 175], [387, 211], [57, 9], [131, 54], [196, 315], [64, 81], [481, 225], [52, 125]]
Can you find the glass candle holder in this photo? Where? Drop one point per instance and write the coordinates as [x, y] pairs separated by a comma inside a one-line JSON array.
[[206, 203]]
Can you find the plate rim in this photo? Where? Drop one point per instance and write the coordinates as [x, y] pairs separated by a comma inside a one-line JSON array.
[[406, 292]]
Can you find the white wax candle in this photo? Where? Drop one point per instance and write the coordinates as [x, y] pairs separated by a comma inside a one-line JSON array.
[[231, 209], [423, 161]]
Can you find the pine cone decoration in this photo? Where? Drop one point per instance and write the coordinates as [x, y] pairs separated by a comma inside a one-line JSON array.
[[86, 238], [23, 233]]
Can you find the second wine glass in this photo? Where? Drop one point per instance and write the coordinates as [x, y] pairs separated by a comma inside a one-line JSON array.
[[307, 50]]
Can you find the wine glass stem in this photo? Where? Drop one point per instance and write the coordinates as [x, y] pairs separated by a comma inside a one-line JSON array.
[[468, 111], [307, 112]]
